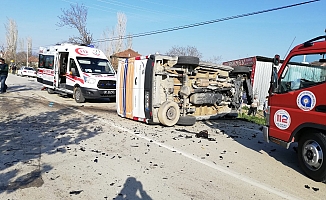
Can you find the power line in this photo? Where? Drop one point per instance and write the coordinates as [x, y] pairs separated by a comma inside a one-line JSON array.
[[201, 23]]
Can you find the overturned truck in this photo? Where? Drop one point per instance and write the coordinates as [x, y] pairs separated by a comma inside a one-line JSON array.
[[178, 90]]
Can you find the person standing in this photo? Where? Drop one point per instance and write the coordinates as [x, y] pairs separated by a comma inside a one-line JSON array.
[[253, 107], [3, 75]]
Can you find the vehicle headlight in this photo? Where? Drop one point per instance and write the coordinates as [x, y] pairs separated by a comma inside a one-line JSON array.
[[89, 80]]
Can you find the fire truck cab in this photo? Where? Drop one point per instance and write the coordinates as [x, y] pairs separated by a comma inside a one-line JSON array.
[[297, 105]]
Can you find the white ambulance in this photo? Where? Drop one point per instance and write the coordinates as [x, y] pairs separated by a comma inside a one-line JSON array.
[[176, 90], [78, 70]]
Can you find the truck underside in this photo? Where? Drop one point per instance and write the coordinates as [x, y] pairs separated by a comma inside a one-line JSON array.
[[201, 90]]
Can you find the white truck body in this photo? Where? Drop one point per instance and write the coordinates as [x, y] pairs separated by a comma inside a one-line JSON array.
[[175, 90]]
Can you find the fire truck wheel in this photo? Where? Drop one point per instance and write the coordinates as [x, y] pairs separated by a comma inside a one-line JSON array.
[[312, 155], [169, 113], [186, 120], [50, 91], [78, 95], [188, 60]]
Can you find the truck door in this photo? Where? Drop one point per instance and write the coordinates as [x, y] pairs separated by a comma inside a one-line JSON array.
[[300, 95]]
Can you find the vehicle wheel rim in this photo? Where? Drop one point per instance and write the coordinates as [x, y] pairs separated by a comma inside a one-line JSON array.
[[312, 154], [77, 95], [171, 113]]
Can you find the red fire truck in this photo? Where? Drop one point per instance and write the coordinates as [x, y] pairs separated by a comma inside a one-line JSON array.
[[297, 105]]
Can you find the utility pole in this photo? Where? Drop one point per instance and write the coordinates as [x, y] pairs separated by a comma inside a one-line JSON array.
[[27, 55]]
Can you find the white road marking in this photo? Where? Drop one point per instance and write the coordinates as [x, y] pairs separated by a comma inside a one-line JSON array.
[[199, 160]]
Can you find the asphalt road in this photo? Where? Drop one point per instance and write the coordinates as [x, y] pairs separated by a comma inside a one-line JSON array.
[[54, 148]]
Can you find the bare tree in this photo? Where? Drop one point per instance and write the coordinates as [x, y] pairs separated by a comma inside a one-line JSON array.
[[215, 59], [184, 51], [11, 38], [120, 31], [108, 46], [76, 17], [113, 38], [129, 41]]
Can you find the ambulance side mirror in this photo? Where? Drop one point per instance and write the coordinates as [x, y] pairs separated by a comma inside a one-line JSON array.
[[73, 71]]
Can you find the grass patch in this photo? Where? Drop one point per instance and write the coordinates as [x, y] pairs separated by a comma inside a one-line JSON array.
[[258, 119]]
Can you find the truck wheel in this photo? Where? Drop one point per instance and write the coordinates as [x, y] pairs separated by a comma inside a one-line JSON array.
[[78, 95], [188, 60], [312, 154], [240, 70], [169, 113], [50, 91], [186, 120]]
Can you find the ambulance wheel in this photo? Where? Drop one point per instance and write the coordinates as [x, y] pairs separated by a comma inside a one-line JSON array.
[[50, 91], [169, 113], [78, 95], [186, 120], [312, 155], [188, 60]]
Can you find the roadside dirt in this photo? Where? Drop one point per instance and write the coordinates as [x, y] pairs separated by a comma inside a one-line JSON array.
[[53, 148]]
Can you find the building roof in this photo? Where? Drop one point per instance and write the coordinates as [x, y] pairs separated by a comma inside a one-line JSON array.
[[126, 54]]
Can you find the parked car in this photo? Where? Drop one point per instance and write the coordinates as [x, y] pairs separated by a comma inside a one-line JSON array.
[[26, 71]]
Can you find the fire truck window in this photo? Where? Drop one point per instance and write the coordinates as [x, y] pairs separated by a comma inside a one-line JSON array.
[[303, 71]]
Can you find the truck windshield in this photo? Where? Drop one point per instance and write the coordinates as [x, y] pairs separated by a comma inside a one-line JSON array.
[[95, 65], [303, 71]]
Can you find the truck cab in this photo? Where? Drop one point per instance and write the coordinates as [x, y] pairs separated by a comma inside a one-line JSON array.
[[297, 105]]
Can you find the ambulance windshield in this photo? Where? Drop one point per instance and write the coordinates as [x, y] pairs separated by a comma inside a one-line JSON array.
[[95, 65]]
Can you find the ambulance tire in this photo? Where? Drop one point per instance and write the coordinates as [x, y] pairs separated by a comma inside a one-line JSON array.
[[78, 95], [312, 155], [50, 91], [169, 113], [188, 60], [187, 120]]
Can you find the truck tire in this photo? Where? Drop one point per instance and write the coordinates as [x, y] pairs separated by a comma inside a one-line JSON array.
[[188, 60], [186, 120], [312, 155], [78, 95], [50, 91], [240, 70], [169, 113]]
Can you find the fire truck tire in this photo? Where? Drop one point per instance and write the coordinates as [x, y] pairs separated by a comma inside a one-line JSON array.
[[169, 113], [78, 95], [188, 60], [312, 155], [50, 91], [186, 120]]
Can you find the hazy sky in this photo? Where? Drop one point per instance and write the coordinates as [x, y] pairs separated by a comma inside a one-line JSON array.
[[263, 34]]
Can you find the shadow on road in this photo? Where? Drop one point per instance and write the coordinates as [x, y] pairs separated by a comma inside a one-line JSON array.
[[249, 135], [132, 189], [26, 136]]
